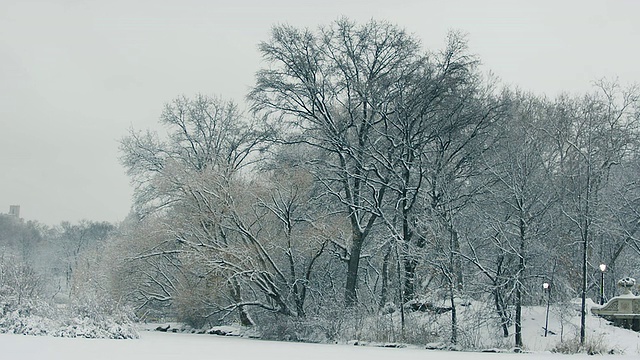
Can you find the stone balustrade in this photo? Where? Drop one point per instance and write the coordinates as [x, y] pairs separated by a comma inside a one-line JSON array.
[[623, 310]]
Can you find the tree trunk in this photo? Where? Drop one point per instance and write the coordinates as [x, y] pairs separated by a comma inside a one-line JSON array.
[[457, 263], [384, 291], [501, 309], [519, 314], [409, 279], [585, 249], [519, 279], [585, 246], [410, 262], [454, 315], [452, 277], [350, 294], [234, 288], [299, 299]]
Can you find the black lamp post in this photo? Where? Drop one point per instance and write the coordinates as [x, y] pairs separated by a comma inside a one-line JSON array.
[[603, 268], [547, 288]]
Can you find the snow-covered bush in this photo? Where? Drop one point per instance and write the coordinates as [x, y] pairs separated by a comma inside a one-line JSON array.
[[95, 329], [593, 345], [17, 322], [91, 317], [23, 309]]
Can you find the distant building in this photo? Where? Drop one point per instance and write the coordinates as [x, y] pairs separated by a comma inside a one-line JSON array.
[[14, 210]]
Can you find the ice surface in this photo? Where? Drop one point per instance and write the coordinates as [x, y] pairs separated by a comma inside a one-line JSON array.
[[156, 345]]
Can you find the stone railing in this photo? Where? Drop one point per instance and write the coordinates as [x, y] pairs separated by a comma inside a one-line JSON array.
[[623, 310]]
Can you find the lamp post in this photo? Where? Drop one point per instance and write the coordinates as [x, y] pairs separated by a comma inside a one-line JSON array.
[[547, 288], [603, 268]]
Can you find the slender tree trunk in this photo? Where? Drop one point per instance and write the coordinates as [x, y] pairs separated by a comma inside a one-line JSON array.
[[500, 308], [384, 291], [519, 280], [452, 277], [457, 263], [400, 291], [455, 260], [297, 288], [585, 246], [585, 249], [454, 315]]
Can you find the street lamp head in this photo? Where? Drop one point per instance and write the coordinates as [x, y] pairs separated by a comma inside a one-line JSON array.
[[545, 285], [603, 267]]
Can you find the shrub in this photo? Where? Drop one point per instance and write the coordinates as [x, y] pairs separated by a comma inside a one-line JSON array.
[[23, 310], [592, 346], [91, 316], [284, 328]]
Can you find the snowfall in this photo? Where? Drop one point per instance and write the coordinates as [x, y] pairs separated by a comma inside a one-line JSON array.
[[166, 345]]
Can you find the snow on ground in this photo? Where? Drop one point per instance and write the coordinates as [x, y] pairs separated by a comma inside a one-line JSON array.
[[598, 329], [158, 345]]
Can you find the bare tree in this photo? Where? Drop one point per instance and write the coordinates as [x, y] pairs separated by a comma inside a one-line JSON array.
[[521, 170], [221, 228], [72, 240], [593, 135], [331, 90], [204, 133], [208, 142]]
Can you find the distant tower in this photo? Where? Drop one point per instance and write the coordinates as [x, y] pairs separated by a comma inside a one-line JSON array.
[[14, 210]]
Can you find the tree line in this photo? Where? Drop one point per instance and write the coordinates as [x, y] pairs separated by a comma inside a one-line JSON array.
[[369, 176], [370, 172]]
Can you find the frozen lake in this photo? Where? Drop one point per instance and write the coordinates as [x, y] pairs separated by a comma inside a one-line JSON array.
[[155, 345]]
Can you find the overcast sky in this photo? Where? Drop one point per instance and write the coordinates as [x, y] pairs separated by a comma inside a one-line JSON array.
[[75, 75]]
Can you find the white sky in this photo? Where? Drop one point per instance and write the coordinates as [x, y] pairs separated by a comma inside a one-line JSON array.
[[75, 75]]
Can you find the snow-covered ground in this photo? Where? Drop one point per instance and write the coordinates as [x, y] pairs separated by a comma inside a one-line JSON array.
[[598, 329], [158, 345], [155, 345]]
